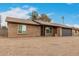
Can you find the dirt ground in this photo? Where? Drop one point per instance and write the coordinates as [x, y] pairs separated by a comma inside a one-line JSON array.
[[39, 46]]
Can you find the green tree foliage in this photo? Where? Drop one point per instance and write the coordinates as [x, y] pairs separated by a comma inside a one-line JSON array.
[[34, 15], [42, 17], [45, 18]]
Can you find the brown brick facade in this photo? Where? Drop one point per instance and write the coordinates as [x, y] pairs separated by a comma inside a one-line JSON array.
[[37, 28], [32, 30], [59, 31], [75, 32]]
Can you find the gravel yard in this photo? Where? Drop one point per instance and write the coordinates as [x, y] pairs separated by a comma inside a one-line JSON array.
[[39, 46]]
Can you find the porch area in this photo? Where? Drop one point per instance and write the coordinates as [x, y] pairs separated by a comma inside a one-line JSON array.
[[51, 31]]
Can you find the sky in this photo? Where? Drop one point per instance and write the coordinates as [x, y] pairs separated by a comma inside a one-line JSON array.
[[70, 11]]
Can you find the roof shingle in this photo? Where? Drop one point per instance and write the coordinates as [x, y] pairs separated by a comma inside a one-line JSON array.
[[35, 22], [17, 20]]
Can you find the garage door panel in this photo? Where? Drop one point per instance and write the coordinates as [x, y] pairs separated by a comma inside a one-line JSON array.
[[66, 32]]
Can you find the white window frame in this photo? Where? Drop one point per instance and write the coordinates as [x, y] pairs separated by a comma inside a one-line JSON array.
[[48, 28], [22, 29]]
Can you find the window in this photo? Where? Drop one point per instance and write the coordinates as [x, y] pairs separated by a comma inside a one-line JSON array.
[[22, 29], [48, 30]]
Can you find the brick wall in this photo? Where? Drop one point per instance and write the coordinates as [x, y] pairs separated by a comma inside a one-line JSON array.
[[32, 30], [59, 31], [75, 32]]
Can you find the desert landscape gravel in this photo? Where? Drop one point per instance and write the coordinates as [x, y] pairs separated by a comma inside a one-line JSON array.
[[39, 46]]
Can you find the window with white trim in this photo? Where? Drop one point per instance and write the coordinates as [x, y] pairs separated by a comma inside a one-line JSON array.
[[22, 29], [48, 30]]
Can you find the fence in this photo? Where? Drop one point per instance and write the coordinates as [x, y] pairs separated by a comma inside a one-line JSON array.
[[3, 32]]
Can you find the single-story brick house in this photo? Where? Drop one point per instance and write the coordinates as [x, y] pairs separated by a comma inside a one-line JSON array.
[[24, 28]]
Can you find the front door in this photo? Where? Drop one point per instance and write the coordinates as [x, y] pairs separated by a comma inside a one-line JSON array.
[[48, 31]]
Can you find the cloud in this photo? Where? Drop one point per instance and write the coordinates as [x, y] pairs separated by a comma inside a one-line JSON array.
[[69, 25], [16, 12], [32, 9], [50, 14], [75, 25]]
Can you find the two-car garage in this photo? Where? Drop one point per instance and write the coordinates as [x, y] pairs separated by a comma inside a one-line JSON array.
[[66, 32]]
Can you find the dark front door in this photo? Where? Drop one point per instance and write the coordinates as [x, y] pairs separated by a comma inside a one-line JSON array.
[[54, 31], [42, 30]]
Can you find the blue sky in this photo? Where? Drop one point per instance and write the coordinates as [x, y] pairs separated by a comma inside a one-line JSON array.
[[53, 10]]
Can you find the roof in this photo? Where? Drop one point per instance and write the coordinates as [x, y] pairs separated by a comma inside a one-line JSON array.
[[51, 24], [35, 22], [17, 20]]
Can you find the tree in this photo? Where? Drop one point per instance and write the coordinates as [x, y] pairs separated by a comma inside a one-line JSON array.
[[42, 17], [62, 17], [45, 18], [34, 15]]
